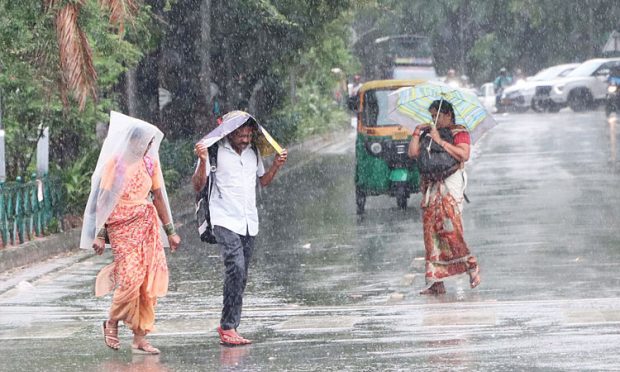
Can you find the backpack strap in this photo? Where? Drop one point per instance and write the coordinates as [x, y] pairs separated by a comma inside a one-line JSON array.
[[206, 191], [213, 156]]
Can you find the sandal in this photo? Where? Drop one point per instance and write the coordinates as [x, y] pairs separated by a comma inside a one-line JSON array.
[[436, 288], [144, 347], [230, 337], [474, 277], [110, 336]]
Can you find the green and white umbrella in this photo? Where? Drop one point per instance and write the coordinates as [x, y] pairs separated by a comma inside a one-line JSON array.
[[408, 106]]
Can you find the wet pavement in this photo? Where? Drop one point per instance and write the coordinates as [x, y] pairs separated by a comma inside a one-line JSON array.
[[331, 291]]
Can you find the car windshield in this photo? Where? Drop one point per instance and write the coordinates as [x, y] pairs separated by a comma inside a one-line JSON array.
[[375, 108], [552, 73], [586, 68]]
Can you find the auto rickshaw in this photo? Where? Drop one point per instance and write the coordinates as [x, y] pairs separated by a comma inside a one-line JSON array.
[[382, 164]]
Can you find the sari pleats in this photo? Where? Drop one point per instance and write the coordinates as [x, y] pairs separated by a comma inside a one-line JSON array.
[[139, 273], [447, 254]]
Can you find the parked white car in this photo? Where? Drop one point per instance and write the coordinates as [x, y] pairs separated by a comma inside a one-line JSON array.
[[585, 86], [520, 96]]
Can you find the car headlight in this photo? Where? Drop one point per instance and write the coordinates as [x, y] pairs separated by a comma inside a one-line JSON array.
[[375, 148], [558, 88], [612, 88]]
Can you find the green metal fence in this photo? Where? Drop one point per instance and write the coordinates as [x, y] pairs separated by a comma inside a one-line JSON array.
[[27, 208]]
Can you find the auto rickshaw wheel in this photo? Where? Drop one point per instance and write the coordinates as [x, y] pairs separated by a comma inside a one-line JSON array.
[[360, 200]]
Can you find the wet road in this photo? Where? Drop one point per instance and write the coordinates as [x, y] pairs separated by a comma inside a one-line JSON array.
[[331, 291]]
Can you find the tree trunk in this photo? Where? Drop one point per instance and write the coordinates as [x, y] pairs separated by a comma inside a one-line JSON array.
[[292, 81], [591, 37], [181, 70], [252, 103], [205, 58], [130, 92], [146, 88]]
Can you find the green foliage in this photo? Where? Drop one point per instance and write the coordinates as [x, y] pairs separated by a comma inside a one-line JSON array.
[[480, 37], [314, 109], [257, 40], [29, 76], [177, 162], [75, 180], [313, 113]]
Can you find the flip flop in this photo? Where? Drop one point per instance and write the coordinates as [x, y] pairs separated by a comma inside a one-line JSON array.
[[230, 337]]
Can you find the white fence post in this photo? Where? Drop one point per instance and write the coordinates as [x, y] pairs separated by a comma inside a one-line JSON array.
[[43, 151]]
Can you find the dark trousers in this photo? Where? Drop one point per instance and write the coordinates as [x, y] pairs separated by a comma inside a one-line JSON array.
[[236, 251]]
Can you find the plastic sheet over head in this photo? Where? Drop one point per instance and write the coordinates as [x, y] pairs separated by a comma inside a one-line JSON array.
[[129, 140]]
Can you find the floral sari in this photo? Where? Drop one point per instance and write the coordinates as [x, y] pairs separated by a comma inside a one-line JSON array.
[[139, 273], [447, 254]]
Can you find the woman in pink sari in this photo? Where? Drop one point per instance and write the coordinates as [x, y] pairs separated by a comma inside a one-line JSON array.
[[127, 202], [447, 254]]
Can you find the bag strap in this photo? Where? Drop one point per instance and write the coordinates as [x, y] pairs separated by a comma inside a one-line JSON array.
[[213, 149], [206, 191]]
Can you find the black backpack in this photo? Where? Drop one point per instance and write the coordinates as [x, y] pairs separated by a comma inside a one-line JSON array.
[[203, 216], [434, 163]]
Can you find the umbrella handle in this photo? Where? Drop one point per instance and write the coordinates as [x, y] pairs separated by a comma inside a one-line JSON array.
[[438, 111], [434, 123]]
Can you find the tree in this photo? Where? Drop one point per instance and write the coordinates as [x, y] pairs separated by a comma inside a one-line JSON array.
[[35, 87], [479, 37]]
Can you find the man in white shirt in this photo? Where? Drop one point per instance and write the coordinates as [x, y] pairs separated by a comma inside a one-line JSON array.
[[234, 215]]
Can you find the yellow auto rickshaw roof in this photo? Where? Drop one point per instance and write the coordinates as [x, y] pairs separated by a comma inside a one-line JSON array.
[[379, 84]]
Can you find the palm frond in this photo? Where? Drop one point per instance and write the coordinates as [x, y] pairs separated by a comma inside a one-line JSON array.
[[76, 60], [121, 11]]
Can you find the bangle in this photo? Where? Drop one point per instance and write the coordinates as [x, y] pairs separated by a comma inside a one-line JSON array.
[[169, 229]]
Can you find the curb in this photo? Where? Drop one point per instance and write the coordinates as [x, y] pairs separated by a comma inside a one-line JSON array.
[[39, 249]]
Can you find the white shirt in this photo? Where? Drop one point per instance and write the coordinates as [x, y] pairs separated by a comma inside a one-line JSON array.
[[233, 198]]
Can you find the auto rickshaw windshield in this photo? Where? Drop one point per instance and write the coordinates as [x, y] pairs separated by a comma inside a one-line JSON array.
[[375, 108]]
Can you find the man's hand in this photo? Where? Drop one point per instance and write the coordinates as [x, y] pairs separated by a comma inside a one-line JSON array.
[[174, 241], [280, 159], [278, 162], [202, 151], [99, 245]]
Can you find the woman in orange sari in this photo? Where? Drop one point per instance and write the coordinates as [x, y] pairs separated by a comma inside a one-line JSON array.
[[127, 202], [447, 254]]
